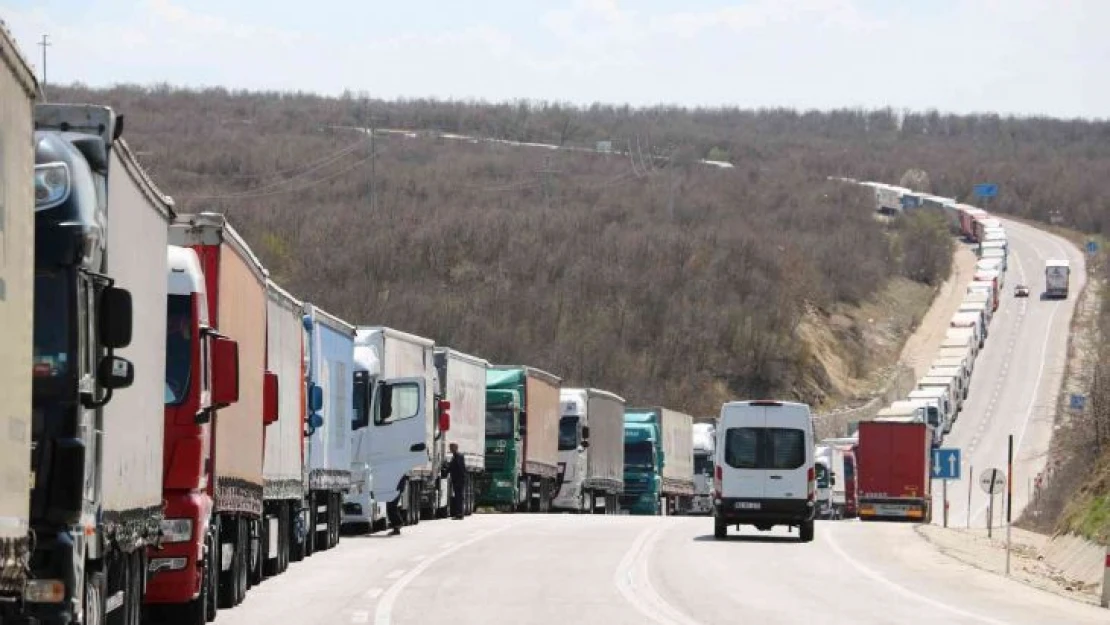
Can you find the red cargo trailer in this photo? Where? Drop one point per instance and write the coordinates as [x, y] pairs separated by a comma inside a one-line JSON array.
[[893, 471]]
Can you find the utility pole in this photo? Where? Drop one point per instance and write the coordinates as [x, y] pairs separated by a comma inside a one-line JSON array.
[[45, 44], [369, 121]]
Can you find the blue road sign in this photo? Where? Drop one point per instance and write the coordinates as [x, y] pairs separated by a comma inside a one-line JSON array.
[[986, 190], [1092, 247], [946, 463], [1077, 402]]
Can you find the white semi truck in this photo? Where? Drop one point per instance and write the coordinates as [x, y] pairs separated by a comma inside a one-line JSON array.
[[462, 395], [1056, 277], [592, 472], [704, 446]]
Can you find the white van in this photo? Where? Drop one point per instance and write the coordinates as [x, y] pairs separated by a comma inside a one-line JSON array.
[[932, 408], [972, 321], [947, 407], [765, 474]]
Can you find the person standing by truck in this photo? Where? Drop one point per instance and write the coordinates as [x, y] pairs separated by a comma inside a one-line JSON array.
[[456, 470]]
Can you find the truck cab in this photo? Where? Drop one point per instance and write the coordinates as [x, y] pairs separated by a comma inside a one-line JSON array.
[[642, 456], [504, 449], [704, 444]]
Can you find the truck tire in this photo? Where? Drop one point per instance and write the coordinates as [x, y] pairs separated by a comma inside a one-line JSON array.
[[296, 547], [211, 578], [720, 528], [259, 545], [337, 517], [805, 531], [321, 537], [138, 585], [233, 580], [272, 567]]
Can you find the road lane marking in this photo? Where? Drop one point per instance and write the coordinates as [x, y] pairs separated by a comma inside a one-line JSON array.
[[902, 590], [373, 593], [633, 580], [360, 616], [447, 545], [394, 574], [383, 615], [418, 558]]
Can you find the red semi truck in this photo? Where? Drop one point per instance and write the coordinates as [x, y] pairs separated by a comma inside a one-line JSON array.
[[894, 471], [213, 482]]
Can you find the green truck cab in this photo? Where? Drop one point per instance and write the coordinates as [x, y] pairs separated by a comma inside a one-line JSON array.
[[643, 464], [522, 438], [504, 447]]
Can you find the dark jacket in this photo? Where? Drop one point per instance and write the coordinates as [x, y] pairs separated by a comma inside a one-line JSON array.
[[456, 468]]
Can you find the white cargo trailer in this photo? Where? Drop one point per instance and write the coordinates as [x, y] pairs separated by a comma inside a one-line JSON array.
[[462, 383], [283, 472], [601, 415], [17, 235], [134, 421]]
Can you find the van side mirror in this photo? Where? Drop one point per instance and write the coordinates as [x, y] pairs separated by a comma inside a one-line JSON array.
[[270, 408], [115, 317], [114, 372], [361, 392], [225, 371]]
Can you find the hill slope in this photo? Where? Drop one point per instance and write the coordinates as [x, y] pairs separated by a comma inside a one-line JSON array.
[[668, 282]]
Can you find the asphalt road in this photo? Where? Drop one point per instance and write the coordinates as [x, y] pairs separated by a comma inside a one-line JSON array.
[[1016, 381], [564, 569]]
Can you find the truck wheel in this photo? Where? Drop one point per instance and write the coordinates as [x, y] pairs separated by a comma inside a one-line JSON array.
[[272, 567], [805, 531], [244, 550], [296, 546], [337, 517], [195, 612], [720, 529], [321, 537], [138, 572], [259, 546], [210, 578]]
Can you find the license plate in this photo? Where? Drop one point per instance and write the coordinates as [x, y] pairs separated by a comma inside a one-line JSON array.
[[891, 509], [747, 505]]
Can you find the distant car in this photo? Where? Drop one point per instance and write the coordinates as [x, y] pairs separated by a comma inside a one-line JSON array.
[[1021, 291]]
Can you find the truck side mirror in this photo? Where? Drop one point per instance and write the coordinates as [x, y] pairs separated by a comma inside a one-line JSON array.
[[361, 393], [115, 317], [225, 372], [585, 433], [270, 408], [114, 372], [315, 397]]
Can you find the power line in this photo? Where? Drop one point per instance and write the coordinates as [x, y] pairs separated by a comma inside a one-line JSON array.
[[265, 189], [331, 157], [252, 194]]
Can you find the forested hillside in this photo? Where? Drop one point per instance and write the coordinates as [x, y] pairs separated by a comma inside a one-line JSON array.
[[655, 276]]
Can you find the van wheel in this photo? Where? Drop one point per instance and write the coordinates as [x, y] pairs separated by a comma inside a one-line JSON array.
[[720, 528], [805, 531]]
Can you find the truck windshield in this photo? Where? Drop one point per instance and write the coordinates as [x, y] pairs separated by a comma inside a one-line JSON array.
[[53, 331], [179, 353], [639, 454], [703, 464], [765, 448], [499, 423], [568, 433], [822, 474]]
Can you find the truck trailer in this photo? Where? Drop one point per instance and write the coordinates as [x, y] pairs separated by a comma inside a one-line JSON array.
[[667, 485], [237, 308], [592, 466], [330, 345], [1056, 277], [283, 466], [17, 306], [524, 437], [894, 471], [462, 395]]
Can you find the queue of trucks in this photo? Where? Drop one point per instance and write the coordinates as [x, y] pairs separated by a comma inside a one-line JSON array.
[[280, 425]]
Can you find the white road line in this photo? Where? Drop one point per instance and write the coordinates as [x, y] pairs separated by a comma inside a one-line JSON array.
[[447, 545], [902, 590], [394, 574], [373, 593], [360, 616], [383, 615], [633, 580], [418, 558]]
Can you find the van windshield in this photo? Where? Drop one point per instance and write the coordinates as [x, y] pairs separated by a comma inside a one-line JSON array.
[[765, 448]]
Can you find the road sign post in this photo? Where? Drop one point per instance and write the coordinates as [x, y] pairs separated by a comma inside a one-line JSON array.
[[944, 495], [992, 481], [970, 471], [946, 466], [1009, 497]]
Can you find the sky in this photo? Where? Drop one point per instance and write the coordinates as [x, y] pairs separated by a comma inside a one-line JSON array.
[[1027, 57]]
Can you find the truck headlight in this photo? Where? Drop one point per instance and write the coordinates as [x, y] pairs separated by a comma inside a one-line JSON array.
[[44, 591], [177, 530], [51, 185]]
